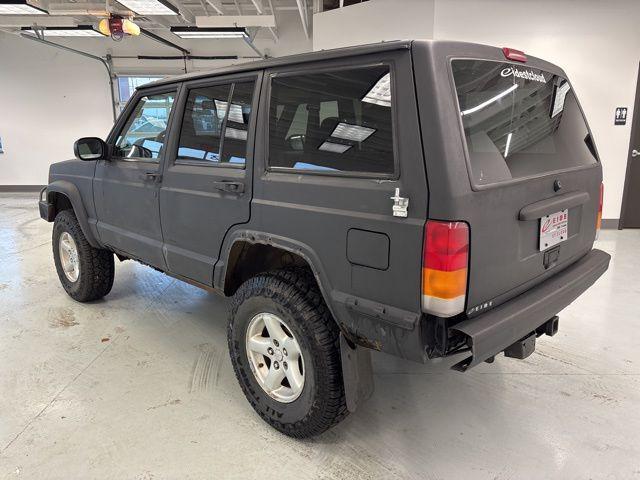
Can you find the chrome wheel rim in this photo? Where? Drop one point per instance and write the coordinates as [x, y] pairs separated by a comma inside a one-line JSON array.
[[275, 357], [69, 257]]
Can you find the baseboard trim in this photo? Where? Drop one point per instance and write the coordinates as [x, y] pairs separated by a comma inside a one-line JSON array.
[[610, 223], [20, 188]]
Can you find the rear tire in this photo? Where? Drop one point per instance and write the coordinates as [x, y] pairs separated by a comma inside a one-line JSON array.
[[86, 273], [290, 298]]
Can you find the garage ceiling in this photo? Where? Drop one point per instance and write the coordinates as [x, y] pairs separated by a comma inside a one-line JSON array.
[[156, 16]]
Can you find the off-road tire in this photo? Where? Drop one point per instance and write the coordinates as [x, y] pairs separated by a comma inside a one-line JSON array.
[[97, 267], [293, 295]]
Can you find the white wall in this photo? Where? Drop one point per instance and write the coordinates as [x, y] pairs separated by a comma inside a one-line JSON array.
[[373, 21], [49, 97], [597, 42]]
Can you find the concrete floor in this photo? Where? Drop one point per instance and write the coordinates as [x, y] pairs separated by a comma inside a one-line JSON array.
[[140, 386]]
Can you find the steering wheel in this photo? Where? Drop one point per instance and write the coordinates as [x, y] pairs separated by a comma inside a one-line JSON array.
[[160, 137]]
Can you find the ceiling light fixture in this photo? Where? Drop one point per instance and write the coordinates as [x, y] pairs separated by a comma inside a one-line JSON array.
[[19, 7], [490, 101], [150, 7], [195, 32], [506, 147], [79, 31], [117, 27], [380, 93], [334, 147], [356, 133]]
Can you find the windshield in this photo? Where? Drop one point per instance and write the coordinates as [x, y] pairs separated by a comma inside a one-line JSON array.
[[519, 121]]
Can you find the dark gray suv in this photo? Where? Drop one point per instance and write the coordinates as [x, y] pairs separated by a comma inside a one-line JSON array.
[[424, 199]]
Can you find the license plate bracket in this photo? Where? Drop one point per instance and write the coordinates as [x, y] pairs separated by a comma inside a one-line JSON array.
[[554, 228]]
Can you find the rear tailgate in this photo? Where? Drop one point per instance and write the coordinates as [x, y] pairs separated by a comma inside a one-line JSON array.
[[526, 165]]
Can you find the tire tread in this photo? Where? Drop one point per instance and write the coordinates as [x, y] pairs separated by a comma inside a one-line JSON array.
[[97, 268], [297, 288]]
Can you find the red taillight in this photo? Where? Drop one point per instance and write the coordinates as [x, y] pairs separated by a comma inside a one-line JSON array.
[[599, 216], [444, 267], [515, 55]]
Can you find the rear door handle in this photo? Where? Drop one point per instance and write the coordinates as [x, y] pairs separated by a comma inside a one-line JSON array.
[[152, 177], [229, 186]]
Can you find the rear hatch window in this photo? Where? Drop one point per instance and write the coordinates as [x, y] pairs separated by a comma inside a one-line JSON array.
[[519, 121]]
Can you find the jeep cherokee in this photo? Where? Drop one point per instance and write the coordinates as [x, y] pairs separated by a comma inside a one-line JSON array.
[[421, 198]]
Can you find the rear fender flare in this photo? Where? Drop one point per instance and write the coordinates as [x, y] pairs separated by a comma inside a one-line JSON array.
[[293, 246], [70, 191]]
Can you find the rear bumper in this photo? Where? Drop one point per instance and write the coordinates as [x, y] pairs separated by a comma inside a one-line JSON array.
[[494, 331]]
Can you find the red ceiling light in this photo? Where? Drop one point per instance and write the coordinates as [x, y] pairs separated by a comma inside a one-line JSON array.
[[118, 27], [515, 55]]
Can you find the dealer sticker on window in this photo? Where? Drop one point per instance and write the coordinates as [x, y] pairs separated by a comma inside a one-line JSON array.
[[554, 229]]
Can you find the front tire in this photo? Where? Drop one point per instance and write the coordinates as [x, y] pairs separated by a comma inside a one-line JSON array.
[[86, 273], [270, 313]]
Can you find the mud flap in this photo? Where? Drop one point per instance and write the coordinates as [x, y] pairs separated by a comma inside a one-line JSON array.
[[357, 373]]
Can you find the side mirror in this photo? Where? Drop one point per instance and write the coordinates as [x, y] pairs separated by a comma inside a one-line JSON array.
[[90, 148]]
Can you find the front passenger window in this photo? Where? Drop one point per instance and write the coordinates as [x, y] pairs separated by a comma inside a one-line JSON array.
[[143, 135]]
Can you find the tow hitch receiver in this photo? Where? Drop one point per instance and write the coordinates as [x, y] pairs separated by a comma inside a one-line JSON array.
[[549, 328], [522, 348], [525, 346]]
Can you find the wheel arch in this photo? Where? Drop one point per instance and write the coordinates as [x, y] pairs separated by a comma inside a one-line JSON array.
[[264, 252], [64, 195]]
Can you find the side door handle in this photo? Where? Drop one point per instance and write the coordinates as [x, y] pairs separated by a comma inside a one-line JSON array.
[[154, 177], [635, 153], [229, 186]]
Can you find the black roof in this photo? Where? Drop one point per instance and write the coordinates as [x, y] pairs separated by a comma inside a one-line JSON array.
[[286, 60]]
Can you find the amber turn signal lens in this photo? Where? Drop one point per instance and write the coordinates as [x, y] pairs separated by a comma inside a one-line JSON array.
[[445, 285]]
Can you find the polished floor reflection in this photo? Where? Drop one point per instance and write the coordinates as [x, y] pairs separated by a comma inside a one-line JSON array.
[[139, 386]]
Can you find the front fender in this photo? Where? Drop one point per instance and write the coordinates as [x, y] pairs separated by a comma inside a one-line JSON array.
[[70, 191]]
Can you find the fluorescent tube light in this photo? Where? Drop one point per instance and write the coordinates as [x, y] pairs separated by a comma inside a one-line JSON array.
[[150, 7], [19, 7], [334, 147], [79, 31], [235, 114], [491, 100], [235, 133], [194, 32], [356, 133], [380, 93], [506, 147]]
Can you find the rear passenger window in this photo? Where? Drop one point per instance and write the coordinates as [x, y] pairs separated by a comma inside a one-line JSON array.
[[333, 121], [237, 126], [215, 124]]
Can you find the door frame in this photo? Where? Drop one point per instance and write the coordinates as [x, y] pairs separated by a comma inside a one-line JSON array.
[[157, 165], [244, 172], [635, 127]]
